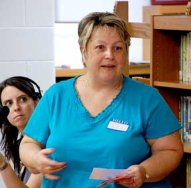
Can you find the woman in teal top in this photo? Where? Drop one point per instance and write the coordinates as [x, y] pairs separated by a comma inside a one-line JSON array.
[[102, 120]]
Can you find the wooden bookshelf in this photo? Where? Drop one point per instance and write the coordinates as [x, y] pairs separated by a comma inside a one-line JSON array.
[[148, 12], [166, 31], [161, 32]]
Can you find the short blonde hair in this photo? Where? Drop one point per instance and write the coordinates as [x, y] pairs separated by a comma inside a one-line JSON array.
[[95, 19]]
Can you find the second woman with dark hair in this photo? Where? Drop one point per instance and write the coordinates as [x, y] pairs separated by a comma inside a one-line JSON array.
[[19, 95]]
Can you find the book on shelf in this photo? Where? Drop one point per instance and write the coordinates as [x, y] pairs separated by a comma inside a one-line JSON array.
[[188, 171], [185, 119], [185, 58], [188, 8]]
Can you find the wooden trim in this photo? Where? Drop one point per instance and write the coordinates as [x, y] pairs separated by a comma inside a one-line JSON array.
[[139, 30], [172, 22], [149, 11], [143, 80], [63, 72], [121, 9], [139, 69]]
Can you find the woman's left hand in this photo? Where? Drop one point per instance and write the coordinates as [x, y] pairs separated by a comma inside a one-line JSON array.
[[135, 177]]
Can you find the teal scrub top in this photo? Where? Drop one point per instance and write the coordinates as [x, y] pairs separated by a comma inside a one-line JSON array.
[[115, 138]]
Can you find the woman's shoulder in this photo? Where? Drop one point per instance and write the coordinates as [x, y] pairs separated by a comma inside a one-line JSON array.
[[140, 90], [137, 85]]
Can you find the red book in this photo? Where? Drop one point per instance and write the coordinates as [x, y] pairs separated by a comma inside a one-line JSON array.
[[169, 2]]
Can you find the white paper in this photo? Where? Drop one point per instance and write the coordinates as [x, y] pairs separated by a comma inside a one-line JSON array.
[[105, 173]]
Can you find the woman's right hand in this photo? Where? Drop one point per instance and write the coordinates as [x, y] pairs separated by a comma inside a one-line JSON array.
[[47, 166]]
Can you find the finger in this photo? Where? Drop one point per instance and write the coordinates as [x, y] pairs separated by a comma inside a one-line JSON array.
[[122, 178], [55, 166], [52, 163], [128, 180], [132, 185], [47, 151], [51, 177], [49, 169]]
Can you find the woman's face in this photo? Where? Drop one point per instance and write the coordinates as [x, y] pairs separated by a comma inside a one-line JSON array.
[[106, 54], [20, 105]]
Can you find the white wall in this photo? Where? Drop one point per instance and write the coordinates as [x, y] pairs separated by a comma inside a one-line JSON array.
[[82, 7], [27, 40]]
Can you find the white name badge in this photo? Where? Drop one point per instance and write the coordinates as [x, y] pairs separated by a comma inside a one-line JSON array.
[[118, 126]]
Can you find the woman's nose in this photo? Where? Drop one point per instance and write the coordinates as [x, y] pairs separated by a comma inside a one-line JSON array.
[[109, 53], [16, 106]]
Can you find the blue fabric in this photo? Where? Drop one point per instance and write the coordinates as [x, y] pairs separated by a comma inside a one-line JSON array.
[[84, 142]]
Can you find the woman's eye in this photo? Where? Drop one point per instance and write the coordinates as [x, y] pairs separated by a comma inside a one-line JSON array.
[[118, 48], [8, 103], [100, 47], [23, 99]]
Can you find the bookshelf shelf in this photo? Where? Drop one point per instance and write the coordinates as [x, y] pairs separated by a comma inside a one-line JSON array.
[[172, 22], [134, 70], [187, 147], [173, 85]]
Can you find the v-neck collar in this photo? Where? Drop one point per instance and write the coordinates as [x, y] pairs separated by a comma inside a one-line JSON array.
[[106, 111]]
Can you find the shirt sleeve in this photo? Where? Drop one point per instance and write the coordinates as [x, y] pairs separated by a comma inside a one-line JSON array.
[[38, 124], [161, 119]]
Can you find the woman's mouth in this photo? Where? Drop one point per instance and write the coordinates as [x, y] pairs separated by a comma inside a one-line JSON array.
[[108, 66]]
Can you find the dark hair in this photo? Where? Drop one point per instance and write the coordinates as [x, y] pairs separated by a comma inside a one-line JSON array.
[[9, 142]]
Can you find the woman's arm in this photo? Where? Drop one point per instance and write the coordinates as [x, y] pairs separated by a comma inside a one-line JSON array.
[[34, 181], [36, 159], [11, 180], [166, 155], [29, 156]]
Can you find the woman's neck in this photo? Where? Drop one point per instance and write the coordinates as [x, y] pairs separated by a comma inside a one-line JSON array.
[[94, 84]]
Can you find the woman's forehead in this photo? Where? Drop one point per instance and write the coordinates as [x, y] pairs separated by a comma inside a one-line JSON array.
[[10, 92], [105, 32]]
